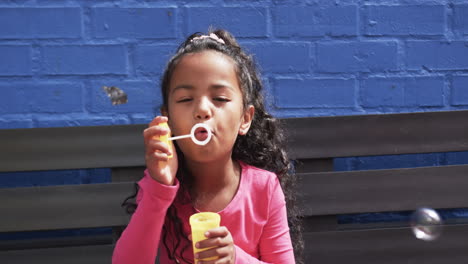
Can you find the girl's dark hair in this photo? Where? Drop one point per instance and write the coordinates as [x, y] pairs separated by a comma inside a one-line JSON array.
[[263, 146]]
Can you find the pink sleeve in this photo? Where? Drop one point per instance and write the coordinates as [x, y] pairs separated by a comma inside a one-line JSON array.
[[140, 240], [275, 244]]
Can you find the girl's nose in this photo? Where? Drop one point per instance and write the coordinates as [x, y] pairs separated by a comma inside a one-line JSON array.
[[202, 110]]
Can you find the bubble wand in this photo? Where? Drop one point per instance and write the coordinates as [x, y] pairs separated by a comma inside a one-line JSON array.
[[193, 137], [197, 127]]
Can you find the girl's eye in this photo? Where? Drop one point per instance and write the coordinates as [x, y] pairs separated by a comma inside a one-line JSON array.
[[184, 100], [222, 99]]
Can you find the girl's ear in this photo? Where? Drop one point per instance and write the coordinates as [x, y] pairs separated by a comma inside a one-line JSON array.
[[247, 120]]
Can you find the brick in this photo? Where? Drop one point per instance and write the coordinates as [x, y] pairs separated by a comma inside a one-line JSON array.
[[86, 59], [15, 60], [153, 23], [26, 23], [143, 97], [71, 120], [460, 13], [363, 56], [437, 55], [15, 122], [310, 21], [48, 97], [424, 91], [281, 57], [402, 92], [314, 93], [240, 21], [152, 59], [144, 118], [459, 90], [404, 20]]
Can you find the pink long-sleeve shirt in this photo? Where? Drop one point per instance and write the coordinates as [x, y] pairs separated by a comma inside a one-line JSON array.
[[256, 218]]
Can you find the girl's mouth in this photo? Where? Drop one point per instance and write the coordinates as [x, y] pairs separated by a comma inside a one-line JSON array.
[[201, 134]]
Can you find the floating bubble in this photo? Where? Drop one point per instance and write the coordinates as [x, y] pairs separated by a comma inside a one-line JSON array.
[[426, 224], [116, 95]]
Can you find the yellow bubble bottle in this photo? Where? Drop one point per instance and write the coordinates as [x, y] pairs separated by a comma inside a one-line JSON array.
[[200, 223], [164, 138]]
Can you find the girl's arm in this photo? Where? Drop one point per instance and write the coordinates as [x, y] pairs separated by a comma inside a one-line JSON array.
[[140, 241], [275, 243]]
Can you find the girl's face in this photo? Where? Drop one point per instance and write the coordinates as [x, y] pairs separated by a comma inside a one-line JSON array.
[[204, 88]]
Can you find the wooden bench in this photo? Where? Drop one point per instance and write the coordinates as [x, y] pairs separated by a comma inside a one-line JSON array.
[[325, 194]]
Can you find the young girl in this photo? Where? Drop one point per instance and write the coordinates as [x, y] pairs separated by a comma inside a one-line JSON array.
[[243, 173]]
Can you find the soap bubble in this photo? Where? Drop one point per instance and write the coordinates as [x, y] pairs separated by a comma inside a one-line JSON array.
[[426, 224]]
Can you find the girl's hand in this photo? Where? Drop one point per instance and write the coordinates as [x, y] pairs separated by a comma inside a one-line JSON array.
[[160, 167], [223, 247]]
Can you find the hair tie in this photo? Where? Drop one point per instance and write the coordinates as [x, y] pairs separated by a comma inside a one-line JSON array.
[[211, 36]]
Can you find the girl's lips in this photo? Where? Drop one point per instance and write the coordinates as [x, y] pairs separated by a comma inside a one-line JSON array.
[[201, 134]]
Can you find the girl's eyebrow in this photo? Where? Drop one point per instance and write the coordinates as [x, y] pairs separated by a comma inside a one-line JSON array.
[[221, 86], [212, 87], [182, 86]]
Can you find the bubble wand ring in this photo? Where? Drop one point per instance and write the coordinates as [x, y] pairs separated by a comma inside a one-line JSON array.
[[193, 137]]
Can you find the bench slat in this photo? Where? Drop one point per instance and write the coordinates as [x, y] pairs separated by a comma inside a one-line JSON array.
[[71, 148], [63, 207], [319, 137], [366, 135], [100, 254], [386, 246], [330, 193]]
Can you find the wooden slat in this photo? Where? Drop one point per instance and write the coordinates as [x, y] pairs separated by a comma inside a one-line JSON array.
[[366, 135], [331, 193], [127, 174], [101, 254], [387, 246], [50, 242], [319, 137], [313, 165], [62, 207], [71, 148]]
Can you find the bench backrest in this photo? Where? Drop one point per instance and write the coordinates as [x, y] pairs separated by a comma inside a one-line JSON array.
[[328, 194], [325, 194]]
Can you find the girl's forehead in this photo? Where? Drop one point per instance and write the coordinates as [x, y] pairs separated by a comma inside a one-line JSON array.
[[206, 56], [209, 66]]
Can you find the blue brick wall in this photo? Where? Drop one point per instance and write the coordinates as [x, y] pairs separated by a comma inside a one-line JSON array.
[[317, 57]]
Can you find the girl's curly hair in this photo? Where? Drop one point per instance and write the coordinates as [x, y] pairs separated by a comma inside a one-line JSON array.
[[263, 146]]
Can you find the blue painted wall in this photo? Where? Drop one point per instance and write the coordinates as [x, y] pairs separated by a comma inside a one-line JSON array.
[[318, 58]]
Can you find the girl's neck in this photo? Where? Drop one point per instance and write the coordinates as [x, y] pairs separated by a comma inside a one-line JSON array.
[[209, 177], [214, 184]]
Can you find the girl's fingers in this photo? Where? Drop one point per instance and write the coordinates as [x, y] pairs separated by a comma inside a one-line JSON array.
[[155, 146], [155, 130], [217, 237], [158, 156], [157, 120], [213, 252], [221, 231], [151, 133], [220, 244], [213, 242]]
